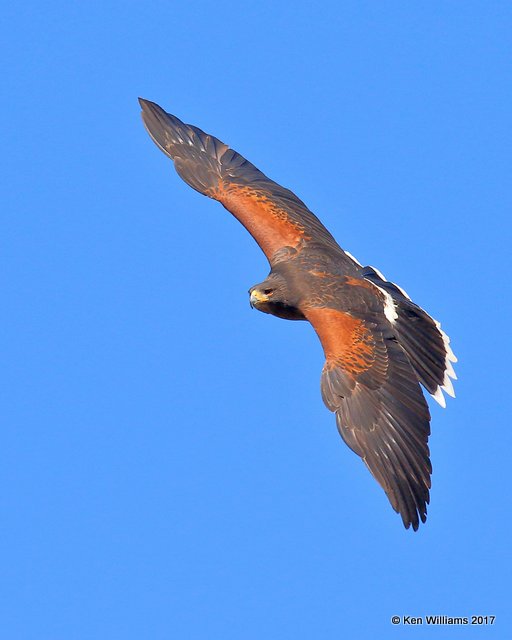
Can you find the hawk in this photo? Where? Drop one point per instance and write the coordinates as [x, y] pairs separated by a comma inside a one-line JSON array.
[[379, 345]]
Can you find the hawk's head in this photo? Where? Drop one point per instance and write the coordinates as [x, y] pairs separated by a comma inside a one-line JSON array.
[[274, 296]]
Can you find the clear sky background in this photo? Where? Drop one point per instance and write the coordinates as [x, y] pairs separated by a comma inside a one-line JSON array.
[[167, 466]]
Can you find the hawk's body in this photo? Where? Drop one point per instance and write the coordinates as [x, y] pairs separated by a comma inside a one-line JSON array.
[[379, 346]]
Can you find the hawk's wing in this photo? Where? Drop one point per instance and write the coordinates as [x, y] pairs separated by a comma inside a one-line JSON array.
[[368, 381], [273, 215]]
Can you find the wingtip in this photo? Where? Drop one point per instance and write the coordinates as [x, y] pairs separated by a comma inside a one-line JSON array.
[[153, 111], [150, 107], [412, 520], [145, 104]]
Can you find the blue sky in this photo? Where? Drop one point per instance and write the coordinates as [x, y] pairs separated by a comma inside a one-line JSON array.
[[168, 468]]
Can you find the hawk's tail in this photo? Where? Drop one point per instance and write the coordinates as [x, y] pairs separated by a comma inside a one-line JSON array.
[[425, 343]]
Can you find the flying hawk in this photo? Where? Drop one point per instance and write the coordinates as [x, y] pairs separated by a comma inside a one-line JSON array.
[[379, 345]]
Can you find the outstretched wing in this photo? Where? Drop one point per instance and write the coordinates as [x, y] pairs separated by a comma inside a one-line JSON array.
[[381, 414], [273, 215]]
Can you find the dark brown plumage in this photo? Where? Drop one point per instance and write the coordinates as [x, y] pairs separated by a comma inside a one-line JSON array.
[[379, 346]]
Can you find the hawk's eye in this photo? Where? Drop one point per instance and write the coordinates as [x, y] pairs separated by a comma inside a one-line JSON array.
[[267, 292]]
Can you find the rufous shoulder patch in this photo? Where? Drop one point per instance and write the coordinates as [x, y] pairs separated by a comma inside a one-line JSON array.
[[269, 224], [347, 342]]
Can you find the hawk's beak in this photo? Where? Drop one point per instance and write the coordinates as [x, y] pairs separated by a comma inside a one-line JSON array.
[[257, 297]]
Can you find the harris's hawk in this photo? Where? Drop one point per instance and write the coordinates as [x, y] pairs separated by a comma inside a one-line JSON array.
[[379, 345]]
